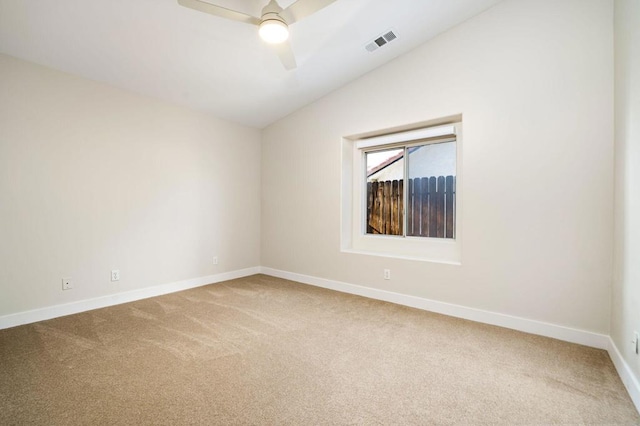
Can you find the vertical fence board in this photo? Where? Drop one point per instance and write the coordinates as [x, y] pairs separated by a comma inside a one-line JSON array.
[[432, 224], [409, 207], [380, 218], [455, 205], [386, 229], [370, 206], [377, 218], [440, 207], [423, 201], [371, 212], [395, 220], [426, 207], [417, 204], [449, 207], [401, 207]]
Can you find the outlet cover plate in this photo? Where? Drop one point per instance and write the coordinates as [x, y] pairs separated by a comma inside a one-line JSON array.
[[115, 275], [67, 283]]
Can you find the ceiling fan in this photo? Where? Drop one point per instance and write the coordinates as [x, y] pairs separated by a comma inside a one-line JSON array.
[[274, 22]]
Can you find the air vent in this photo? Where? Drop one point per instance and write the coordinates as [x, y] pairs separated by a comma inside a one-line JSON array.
[[371, 47], [380, 41], [390, 36]]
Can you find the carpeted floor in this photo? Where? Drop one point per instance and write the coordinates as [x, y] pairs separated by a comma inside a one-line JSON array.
[[262, 350]]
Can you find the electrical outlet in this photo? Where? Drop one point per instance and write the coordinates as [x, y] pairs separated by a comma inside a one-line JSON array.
[[215, 260], [636, 342], [387, 274], [115, 275], [67, 284]]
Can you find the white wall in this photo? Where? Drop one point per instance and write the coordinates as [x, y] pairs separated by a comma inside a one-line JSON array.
[[94, 178], [625, 312], [533, 80]]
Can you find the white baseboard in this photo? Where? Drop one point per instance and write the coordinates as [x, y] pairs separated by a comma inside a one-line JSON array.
[[559, 332], [624, 371], [42, 314], [582, 337]]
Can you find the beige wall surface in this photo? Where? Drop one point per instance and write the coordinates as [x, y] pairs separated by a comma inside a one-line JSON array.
[[93, 178], [625, 312], [534, 82]]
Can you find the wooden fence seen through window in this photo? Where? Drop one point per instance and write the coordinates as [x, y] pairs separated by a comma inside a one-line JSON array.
[[430, 210]]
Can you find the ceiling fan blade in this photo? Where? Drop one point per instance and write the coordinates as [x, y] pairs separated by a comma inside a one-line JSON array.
[[285, 53], [303, 8], [223, 12]]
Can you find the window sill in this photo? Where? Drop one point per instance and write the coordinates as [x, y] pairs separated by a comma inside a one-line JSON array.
[[435, 250], [401, 256]]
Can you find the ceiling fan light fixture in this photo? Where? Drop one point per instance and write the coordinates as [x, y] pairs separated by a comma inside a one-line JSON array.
[[274, 31]]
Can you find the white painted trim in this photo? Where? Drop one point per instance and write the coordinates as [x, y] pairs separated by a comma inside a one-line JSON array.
[[559, 332], [353, 237], [42, 314], [408, 136], [624, 371]]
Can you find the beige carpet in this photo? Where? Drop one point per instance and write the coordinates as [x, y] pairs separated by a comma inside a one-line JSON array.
[[263, 351]]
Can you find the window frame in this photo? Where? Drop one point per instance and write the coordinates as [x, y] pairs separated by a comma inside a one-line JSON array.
[[354, 238], [405, 176]]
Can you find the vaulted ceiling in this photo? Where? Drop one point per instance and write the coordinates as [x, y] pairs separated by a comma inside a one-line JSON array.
[[161, 49]]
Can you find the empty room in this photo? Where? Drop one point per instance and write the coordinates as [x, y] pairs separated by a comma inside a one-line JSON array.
[[319, 212]]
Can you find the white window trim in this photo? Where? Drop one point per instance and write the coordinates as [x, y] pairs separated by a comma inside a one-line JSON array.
[[407, 137], [353, 236]]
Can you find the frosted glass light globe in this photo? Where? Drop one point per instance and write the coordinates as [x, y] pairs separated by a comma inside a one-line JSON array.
[[274, 31]]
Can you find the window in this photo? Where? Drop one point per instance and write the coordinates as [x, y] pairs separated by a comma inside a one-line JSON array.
[[401, 196], [425, 205]]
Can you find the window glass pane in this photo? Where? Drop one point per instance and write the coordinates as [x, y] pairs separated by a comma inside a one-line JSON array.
[[431, 202], [385, 173]]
